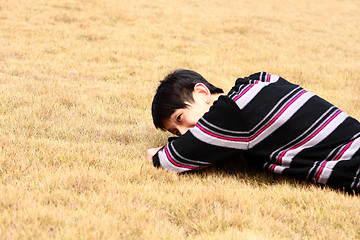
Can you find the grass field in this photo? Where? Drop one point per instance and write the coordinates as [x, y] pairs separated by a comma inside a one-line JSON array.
[[76, 83]]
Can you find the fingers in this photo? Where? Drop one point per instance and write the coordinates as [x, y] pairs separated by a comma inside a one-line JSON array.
[[149, 155], [151, 152]]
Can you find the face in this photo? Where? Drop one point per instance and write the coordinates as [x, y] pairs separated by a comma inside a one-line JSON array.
[[184, 118]]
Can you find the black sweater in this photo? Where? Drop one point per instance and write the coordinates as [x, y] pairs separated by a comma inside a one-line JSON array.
[[280, 125]]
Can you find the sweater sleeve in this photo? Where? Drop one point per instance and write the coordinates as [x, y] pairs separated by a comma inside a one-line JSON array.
[[219, 134]]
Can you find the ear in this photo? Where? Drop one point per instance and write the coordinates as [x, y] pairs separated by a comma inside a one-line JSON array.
[[203, 92]]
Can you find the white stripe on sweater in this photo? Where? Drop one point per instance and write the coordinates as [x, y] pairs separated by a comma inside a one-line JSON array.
[[165, 163], [283, 118], [328, 129]]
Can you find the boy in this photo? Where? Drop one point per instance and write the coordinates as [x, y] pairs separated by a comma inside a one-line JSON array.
[[277, 124]]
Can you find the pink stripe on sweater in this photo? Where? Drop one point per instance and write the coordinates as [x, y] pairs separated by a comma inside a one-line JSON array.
[[342, 152], [322, 167], [221, 137], [247, 89], [312, 136], [272, 167], [261, 130], [268, 77], [278, 115], [172, 161]]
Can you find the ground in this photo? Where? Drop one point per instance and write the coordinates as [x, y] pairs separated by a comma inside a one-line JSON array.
[[76, 83]]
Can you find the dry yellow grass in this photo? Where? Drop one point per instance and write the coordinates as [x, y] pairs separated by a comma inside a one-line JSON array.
[[76, 82]]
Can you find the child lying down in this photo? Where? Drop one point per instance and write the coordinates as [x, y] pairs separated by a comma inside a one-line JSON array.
[[281, 126]]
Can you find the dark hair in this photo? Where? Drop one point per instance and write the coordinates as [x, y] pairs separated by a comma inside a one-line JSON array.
[[172, 93]]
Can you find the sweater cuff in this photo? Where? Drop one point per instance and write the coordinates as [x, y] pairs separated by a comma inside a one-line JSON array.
[[156, 161]]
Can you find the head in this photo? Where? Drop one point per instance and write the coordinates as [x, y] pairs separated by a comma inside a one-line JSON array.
[[181, 99]]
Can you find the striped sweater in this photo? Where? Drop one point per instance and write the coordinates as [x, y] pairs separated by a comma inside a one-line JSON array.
[[277, 124]]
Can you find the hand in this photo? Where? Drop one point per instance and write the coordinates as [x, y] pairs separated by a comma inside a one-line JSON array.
[[151, 152]]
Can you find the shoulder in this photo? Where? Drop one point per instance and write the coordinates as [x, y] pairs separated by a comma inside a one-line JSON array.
[[256, 78], [253, 82], [260, 85], [223, 108], [223, 116], [222, 105]]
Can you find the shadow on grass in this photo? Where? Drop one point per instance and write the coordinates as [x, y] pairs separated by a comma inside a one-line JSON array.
[[256, 176]]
